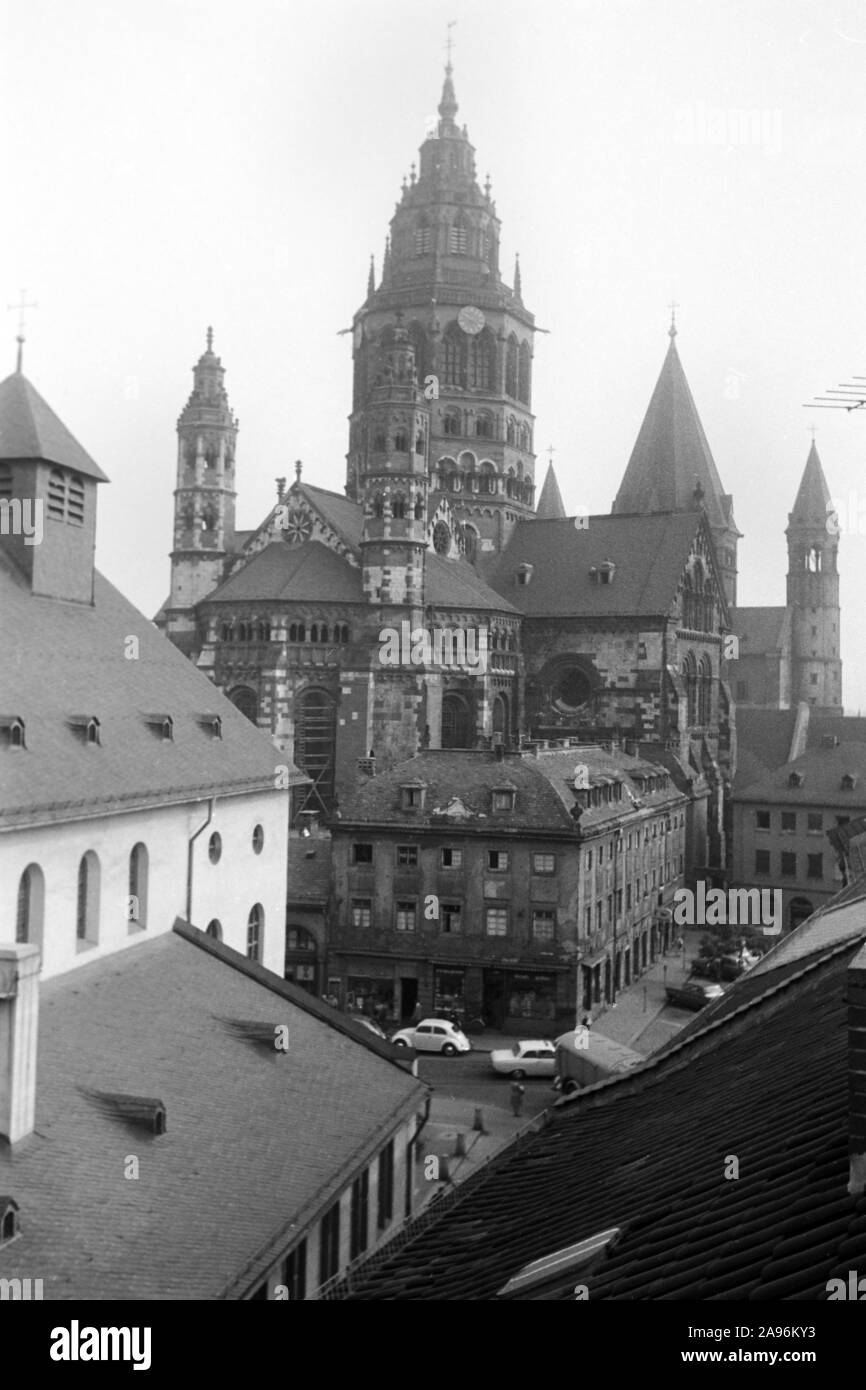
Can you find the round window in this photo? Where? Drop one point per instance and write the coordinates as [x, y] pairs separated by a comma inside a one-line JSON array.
[[258, 839], [441, 538], [215, 847], [571, 690]]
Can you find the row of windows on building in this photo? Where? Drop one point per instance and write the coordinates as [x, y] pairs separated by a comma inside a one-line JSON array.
[[296, 632], [487, 482], [293, 1275], [208, 452], [461, 238], [483, 425], [789, 864], [791, 822], [497, 916], [30, 906], [498, 860]]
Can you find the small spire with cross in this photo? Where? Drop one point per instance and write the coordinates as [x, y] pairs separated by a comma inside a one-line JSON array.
[[672, 331], [22, 306], [813, 430], [298, 468], [210, 339], [550, 452]]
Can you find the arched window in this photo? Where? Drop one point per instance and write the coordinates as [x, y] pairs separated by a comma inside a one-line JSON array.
[[500, 716], [470, 543], [401, 442], [419, 443], [480, 357], [314, 632], [451, 422], [246, 701], [398, 507], [136, 914], [511, 430], [509, 483], [255, 932], [323, 632], [814, 559], [525, 439], [484, 424], [709, 606], [454, 356], [511, 367], [378, 505], [419, 509], [423, 237], [690, 674], [380, 442], [488, 479], [226, 632], [214, 929], [525, 372], [344, 633], [458, 236], [687, 602], [87, 900], [31, 905], [705, 691], [456, 722], [420, 342]]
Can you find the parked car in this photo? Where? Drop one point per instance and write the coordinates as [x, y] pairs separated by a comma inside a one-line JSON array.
[[526, 1058], [727, 967], [433, 1035], [694, 994]]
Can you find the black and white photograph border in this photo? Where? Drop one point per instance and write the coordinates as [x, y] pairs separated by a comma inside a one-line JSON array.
[[432, 856]]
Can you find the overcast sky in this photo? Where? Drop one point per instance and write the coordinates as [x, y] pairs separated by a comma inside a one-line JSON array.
[[183, 162]]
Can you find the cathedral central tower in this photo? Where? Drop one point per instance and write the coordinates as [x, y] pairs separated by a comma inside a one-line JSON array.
[[472, 338]]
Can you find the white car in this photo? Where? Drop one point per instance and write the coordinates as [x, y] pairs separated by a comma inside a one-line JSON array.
[[433, 1035], [536, 1057]]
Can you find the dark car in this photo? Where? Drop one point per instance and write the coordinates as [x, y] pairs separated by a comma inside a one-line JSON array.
[[694, 994]]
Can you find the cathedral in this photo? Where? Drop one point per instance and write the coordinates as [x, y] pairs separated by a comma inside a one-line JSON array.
[[610, 629]]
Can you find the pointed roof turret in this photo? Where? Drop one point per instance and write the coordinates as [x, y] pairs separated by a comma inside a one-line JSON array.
[[371, 279], [518, 288], [30, 430], [813, 494], [550, 507], [448, 105], [671, 455]]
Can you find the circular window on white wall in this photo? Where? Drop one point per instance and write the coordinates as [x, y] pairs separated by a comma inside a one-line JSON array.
[[215, 847]]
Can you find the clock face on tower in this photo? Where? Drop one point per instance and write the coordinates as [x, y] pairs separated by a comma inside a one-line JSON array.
[[470, 319]]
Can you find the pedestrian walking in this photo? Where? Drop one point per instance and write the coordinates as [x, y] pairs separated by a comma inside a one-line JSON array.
[[516, 1097]]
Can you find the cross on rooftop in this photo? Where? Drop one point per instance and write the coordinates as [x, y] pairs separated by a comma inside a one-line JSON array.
[[550, 453], [449, 43], [22, 306], [813, 430], [673, 306]]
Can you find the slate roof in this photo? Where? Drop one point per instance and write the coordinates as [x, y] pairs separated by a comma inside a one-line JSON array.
[[544, 786], [302, 573], [256, 1141], [76, 665], [345, 516], [647, 1153], [763, 742], [650, 553], [762, 630], [822, 770], [848, 728], [671, 452], [813, 494], [29, 429], [550, 505]]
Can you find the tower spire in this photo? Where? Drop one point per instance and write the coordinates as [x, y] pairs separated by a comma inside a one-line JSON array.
[[448, 104], [22, 306], [371, 279], [518, 290]]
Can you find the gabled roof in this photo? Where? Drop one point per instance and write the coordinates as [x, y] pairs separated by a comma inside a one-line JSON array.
[[671, 454], [645, 1153], [455, 584], [344, 515], [764, 738], [256, 1142], [29, 429], [762, 630], [813, 494], [649, 552], [550, 506], [76, 664], [309, 571]]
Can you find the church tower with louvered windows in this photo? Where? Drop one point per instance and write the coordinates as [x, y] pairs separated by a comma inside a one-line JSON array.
[[204, 499], [472, 338]]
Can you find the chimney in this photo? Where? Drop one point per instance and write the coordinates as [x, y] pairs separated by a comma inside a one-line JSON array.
[[19, 1019], [856, 998]]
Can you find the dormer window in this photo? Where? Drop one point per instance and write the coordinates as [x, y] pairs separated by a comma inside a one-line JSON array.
[[162, 725], [849, 781], [603, 573], [523, 573], [412, 796], [795, 779], [87, 728], [503, 798], [212, 723], [12, 731]]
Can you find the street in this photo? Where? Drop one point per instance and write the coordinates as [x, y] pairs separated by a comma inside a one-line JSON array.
[[471, 1078]]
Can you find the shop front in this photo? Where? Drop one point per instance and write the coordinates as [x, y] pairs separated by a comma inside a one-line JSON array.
[[526, 1002]]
